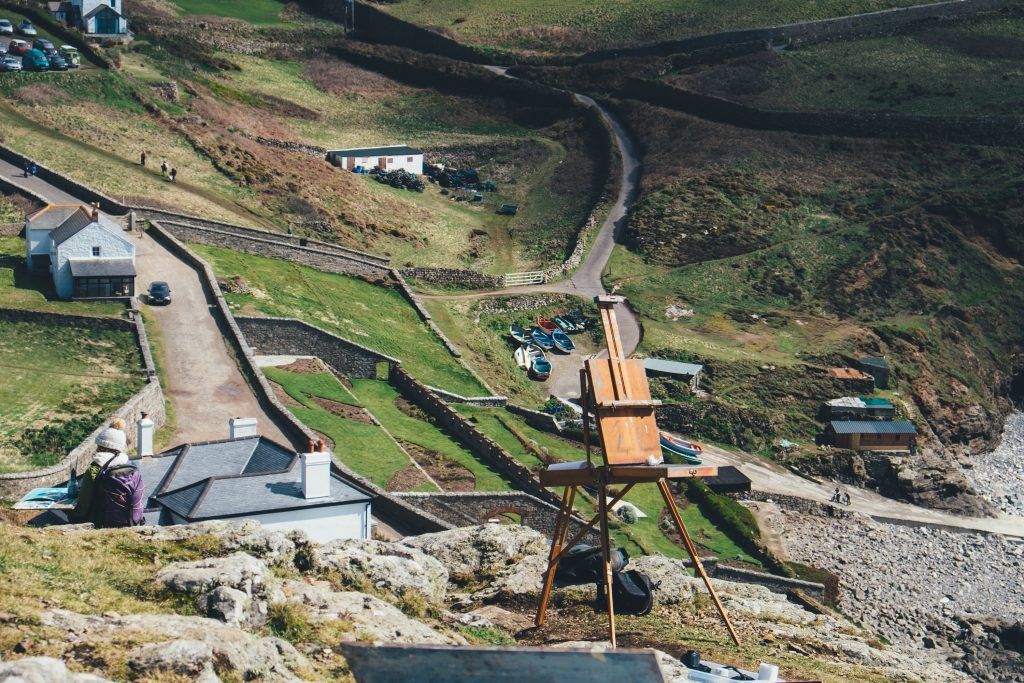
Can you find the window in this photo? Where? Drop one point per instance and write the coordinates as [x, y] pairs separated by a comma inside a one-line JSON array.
[[408, 158], [95, 251], [391, 160]]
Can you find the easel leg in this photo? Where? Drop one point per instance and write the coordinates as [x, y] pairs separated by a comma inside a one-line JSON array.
[[606, 553], [692, 549], [557, 539]]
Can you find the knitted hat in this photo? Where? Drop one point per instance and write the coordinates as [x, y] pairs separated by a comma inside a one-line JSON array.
[[113, 439]]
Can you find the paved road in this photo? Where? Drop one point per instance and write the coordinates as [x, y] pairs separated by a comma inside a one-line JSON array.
[[204, 384]]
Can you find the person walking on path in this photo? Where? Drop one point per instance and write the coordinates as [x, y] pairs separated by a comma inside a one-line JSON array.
[[32, 170], [174, 175], [835, 496], [142, 158], [163, 168], [111, 490], [26, 167]]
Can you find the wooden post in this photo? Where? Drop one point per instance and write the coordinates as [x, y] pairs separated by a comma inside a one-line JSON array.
[[557, 539], [585, 402], [692, 549], [606, 555]]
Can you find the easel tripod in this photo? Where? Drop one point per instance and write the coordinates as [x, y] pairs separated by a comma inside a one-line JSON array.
[[616, 390]]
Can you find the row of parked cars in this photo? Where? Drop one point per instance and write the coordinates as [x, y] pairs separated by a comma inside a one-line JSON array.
[[25, 28], [40, 55]]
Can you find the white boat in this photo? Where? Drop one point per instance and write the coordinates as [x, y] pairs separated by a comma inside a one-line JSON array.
[[522, 357]]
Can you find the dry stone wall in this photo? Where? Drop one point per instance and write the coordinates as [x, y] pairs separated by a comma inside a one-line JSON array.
[[63, 182], [455, 277]]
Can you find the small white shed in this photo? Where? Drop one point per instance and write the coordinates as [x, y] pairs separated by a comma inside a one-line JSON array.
[[391, 158]]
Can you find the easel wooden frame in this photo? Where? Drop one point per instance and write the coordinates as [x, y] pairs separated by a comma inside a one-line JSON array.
[[575, 475]]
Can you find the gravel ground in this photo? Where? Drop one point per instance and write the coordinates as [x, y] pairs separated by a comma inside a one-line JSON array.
[[896, 578], [999, 475]]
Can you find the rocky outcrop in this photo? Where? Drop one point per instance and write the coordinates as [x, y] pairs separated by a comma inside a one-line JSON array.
[[477, 550], [238, 571], [997, 475], [43, 670], [272, 546], [391, 568]]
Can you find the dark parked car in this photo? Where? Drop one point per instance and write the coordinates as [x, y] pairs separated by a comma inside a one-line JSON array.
[[43, 44], [26, 28], [57, 63], [159, 294], [6, 27], [17, 48]]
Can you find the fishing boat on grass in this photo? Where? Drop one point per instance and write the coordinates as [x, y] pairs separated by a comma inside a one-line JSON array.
[[562, 342], [546, 325], [567, 326], [541, 368], [517, 333], [689, 451], [577, 319], [542, 339], [522, 357]]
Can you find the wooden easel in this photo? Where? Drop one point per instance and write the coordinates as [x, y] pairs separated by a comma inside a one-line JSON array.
[[616, 390]]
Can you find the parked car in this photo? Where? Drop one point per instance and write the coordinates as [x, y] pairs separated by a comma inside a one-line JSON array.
[[71, 56], [26, 28], [159, 294], [34, 60], [44, 46], [8, 64], [16, 48], [6, 27], [57, 63]]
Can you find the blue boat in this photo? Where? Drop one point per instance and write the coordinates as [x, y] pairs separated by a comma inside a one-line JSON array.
[[541, 368], [567, 326], [541, 339], [688, 451], [562, 342]]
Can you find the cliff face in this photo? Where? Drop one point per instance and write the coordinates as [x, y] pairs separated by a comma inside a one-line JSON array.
[[232, 600]]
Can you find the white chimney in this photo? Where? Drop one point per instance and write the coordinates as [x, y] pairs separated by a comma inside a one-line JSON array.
[[144, 435], [241, 427], [316, 472]]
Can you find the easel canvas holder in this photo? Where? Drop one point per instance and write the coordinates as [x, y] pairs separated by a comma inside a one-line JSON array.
[[616, 391]]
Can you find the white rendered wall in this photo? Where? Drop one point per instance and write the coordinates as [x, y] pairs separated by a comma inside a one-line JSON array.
[[80, 246], [322, 524]]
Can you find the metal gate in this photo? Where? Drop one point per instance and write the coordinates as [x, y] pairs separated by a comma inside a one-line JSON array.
[[533, 277]]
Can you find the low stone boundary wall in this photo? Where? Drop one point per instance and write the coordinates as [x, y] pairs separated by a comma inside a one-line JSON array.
[[474, 439], [149, 399], [291, 337], [536, 419], [411, 519], [477, 507], [83, 192], [487, 401], [984, 130], [455, 277], [424, 315], [270, 246], [776, 584]]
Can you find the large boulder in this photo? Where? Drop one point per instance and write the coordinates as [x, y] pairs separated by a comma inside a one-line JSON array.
[[480, 550], [192, 658], [270, 545], [249, 657], [232, 606], [240, 571], [43, 670], [392, 568], [370, 618]]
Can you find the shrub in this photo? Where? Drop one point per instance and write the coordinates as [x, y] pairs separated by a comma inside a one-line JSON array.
[[289, 621], [46, 445]]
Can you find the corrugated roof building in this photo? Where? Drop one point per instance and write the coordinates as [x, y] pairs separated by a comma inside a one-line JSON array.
[[871, 435]]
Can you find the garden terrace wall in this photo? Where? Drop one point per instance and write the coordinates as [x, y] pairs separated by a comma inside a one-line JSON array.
[[476, 441], [776, 584], [984, 130], [455, 277], [394, 510], [83, 192], [149, 399], [290, 337], [271, 246], [425, 316], [883, 22], [477, 507]]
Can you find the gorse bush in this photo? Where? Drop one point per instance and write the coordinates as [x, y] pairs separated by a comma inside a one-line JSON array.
[[46, 445]]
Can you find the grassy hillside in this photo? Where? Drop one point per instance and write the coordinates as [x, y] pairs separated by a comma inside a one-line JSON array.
[[57, 384], [771, 257], [962, 69], [572, 26]]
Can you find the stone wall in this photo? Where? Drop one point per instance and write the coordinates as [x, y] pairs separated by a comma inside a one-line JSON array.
[[425, 316], [855, 26], [290, 337], [487, 401], [477, 507], [82, 192], [271, 245], [996, 130], [11, 229], [455, 277], [394, 510], [149, 399], [776, 584], [466, 433]]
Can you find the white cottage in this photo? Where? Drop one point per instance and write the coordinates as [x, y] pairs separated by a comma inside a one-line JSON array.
[[251, 477], [402, 157], [98, 17], [85, 252]]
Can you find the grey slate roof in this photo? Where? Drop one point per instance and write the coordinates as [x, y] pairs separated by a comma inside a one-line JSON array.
[[875, 362], [395, 150], [671, 367], [229, 478], [71, 226], [52, 216], [873, 427], [102, 267]]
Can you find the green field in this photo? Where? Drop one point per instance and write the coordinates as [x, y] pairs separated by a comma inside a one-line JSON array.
[[968, 69], [572, 26], [22, 289], [378, 317], [258, 12], [57, 384]]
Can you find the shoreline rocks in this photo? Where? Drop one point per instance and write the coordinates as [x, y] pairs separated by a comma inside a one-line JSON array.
[[999, 476]]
